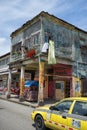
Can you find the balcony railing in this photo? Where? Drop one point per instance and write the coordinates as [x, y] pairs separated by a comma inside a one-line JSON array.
[[15, 58], [33, 50], [3, 66]]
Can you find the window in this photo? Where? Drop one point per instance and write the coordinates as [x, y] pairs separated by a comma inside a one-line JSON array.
[[80, 108], [32, 41], [27, 43], [60, 85], [82, 41], [64, 106], [7, 60], [36, 38], [3, 62]]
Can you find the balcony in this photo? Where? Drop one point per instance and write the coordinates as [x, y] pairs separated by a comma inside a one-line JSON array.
[[15, 58], [28, 53], [3, 67]]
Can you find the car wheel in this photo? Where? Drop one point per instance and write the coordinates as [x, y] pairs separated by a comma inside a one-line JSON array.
[[39, 123]]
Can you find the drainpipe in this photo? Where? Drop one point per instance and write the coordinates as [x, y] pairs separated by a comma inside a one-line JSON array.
[[22, 84], [22, 47], [9, 85]]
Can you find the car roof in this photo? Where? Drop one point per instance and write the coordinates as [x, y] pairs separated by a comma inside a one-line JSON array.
[[77, 98]]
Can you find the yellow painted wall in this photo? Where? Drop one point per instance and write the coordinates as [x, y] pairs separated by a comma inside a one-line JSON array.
[[76, 87], [59, 93]]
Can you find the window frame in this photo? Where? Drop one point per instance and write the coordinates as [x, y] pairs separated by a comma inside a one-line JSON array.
[[78, 111], [66, 109]]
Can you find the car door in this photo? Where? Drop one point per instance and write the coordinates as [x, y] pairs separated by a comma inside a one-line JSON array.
[[77, 120], [58, 115]]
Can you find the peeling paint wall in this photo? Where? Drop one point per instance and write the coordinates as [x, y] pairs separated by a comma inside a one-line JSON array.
[[63, 38], [69, 44], [77, 87]]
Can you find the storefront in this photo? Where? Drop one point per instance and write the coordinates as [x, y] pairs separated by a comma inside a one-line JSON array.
[[3, 80], [60, 82], [50, 54]]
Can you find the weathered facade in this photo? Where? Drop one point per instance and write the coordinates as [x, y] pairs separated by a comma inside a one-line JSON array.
[[4, 60], [64, 78], [4, 73]]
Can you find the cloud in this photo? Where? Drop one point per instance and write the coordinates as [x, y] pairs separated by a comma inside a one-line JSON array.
[[73, 12], [19, 9], [15, 13]]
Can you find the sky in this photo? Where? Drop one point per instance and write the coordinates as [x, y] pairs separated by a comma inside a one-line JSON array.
[[14, 13]]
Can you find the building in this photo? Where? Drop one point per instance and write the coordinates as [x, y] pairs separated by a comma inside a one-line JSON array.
[[4, 69], [53, 52], [4, 74]]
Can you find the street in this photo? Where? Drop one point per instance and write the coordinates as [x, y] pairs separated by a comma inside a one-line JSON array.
[[15, 116]]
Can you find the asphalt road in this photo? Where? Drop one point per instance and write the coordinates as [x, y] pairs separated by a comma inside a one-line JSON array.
[[15, 116]]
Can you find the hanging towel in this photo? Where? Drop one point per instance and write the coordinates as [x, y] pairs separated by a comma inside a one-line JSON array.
[[51, 53], [45, 47]]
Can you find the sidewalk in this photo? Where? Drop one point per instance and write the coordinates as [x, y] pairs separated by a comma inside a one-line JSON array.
[[15, 99]]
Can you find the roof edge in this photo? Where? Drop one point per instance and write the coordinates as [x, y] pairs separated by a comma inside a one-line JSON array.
[[43, 13]]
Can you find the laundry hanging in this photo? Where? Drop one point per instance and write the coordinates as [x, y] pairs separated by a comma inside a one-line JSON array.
[[45, 47], [51, 53]]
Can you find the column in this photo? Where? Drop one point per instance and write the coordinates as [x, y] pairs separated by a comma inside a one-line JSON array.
[[9, 84], [71, 87], [22, 84], [41, 83]]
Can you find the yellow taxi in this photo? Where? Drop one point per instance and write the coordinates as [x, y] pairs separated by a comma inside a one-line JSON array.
[[67, 114]]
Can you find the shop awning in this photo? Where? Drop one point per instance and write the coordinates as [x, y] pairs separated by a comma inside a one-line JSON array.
[[31, 83]]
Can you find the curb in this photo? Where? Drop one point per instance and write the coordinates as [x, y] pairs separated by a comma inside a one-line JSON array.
[[21, 103]]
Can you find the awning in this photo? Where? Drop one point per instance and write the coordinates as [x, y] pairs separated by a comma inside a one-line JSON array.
[[31, 83]]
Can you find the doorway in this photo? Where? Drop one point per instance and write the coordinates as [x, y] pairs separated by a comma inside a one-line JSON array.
[[50, 87], [67, 89]]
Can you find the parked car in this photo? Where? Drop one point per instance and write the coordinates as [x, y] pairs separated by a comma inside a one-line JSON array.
[[67, 114]]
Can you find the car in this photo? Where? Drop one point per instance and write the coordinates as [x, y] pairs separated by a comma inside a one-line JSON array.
[[67, 114]]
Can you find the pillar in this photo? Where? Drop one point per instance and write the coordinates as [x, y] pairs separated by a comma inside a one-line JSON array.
[[9, 84], [22, 84], [41, 83], [71, 87]]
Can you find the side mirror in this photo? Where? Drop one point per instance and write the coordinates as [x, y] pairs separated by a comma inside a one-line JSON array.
[[53, 108]]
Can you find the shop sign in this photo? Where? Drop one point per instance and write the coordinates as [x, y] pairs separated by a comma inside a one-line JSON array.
[[63, 70]]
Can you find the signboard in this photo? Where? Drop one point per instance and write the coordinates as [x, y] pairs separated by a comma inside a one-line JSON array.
[[62, 70]]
